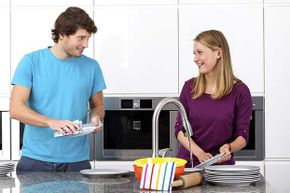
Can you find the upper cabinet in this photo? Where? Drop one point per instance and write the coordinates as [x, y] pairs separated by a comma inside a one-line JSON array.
[[31, 30], [243, 28], [52, 3], [5, 51], [137, 49], [276, 1], [135, 2], [277, 93], [220, 1], [4, 3]]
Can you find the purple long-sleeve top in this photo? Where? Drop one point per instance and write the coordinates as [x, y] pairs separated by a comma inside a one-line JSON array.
[[215, 122]]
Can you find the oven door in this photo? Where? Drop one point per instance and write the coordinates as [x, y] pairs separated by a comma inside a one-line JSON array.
[[127, 135]]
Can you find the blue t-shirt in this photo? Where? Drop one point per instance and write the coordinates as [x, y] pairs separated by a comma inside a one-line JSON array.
[[60, 89]]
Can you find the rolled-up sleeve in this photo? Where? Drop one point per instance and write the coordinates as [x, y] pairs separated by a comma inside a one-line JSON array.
[[185, 93], [243, 113]]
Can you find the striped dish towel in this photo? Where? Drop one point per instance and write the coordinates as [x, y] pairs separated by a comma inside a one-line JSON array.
[[158, 176]]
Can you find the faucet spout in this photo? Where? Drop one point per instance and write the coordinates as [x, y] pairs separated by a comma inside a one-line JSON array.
[[155, 121]]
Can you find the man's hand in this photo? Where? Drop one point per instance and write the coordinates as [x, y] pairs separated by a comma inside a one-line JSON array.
[[99, 125], [63, 126]]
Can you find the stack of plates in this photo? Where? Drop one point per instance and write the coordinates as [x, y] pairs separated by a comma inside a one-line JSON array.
[[232, 175], [6, 167]]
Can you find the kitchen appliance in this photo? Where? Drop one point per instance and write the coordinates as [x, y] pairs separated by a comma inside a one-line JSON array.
[[127, 133]]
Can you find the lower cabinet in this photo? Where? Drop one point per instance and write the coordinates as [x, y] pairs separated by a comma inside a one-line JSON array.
[[277, 174]]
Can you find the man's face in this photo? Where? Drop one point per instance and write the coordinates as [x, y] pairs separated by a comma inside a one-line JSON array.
[[74, 45]]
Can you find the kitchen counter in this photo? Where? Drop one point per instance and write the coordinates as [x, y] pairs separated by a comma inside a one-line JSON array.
[[74, 182]]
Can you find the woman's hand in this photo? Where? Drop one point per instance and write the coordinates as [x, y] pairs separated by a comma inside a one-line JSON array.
[[203, 156], [226, 150]]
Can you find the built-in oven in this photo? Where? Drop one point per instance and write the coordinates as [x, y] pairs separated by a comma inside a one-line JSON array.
[[127, 133]]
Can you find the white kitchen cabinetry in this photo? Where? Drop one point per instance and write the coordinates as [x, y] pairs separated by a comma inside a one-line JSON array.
[[5, 135], [16, 141], [135, 2], [276, 1], [137, 49], [52, 3], [277, 174], [243, 28], [220, 1], [5, 52], [277, 93], [31, 30], [4, 3]]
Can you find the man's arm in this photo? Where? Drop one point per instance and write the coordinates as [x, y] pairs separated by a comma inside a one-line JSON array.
[[20, 111], [97, 111]]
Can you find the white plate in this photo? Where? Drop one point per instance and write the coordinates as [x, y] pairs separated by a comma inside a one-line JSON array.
[[233, 168], [209, 162], [192, 170], [104, 172]]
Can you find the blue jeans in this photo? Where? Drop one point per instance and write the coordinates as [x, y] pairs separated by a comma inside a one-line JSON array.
[[26, 164]]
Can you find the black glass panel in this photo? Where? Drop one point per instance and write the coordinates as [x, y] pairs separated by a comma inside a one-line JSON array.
[[252, 142], [133, 130], [22, 125]]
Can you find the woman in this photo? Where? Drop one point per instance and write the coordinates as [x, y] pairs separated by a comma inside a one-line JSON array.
[[218, 105]]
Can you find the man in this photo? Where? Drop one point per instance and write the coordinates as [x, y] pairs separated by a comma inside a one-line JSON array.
[[52, 88]]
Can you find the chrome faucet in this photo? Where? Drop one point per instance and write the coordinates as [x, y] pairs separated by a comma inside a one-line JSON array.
[[155, 122]]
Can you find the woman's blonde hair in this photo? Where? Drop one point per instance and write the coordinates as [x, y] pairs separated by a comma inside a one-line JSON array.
[[215, 40]]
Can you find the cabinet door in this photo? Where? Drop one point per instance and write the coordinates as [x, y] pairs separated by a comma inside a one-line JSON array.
[[31, 30], [135, 2], [5, 3], [137, 50], [220, 1], [4, 135], [16, 142], [277, 174], [52, 3], [243, 28], [277, 93], [5, 51], [276, 1]]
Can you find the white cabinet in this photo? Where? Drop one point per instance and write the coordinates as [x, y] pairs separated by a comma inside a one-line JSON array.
[[15, 140], [5, 52], [220, 1], [137, 49], [5, 135], [277, 93], [135, 2], [276, 1], [243, 28], [277, 174], [31, 30], [4, 3], [52, 3]]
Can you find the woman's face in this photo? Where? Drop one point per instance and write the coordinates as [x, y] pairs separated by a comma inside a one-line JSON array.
[[205, 58]]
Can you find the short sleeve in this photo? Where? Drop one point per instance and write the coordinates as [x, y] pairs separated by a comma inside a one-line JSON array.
[[243, 112], [24, 73], [99, 82]]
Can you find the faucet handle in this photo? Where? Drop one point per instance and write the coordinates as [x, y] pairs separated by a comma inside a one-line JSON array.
[[163, 152]]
